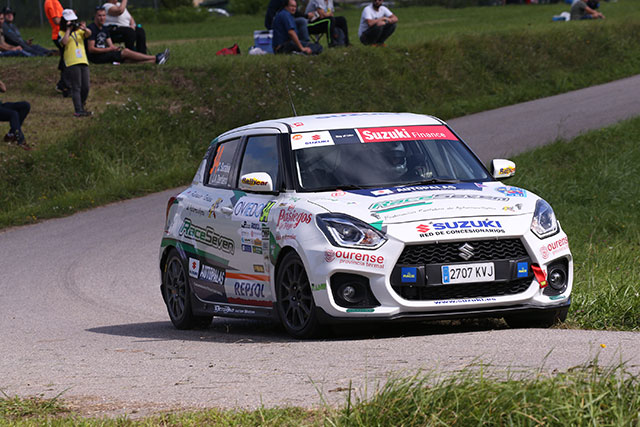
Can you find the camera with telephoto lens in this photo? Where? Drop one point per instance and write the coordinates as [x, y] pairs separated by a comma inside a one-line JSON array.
[[73, 25]]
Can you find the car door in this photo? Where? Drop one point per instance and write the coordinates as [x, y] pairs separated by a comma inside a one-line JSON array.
[[213, 248], [248, 283]]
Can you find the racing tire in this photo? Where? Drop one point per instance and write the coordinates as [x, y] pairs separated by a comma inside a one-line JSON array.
[[537, 320], [295, 305], [177, 294]]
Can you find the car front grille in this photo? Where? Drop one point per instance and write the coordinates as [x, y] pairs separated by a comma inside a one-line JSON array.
[[448, 252], [434, 255]]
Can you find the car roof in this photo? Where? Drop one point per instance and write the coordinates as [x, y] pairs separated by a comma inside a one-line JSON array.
[[318, 122]]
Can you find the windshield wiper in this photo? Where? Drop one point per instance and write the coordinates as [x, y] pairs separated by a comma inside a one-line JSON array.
[[431, 181], [340, 187]]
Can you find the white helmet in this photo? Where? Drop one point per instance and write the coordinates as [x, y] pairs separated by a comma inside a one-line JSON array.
[[397, 158]]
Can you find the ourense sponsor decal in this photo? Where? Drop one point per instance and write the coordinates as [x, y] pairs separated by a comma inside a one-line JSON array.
[[355, 258]]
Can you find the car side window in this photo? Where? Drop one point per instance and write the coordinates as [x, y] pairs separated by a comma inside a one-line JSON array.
[[220, 166], [261, 155]]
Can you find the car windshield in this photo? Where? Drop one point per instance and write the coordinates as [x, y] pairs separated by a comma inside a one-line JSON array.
[[382, 157]]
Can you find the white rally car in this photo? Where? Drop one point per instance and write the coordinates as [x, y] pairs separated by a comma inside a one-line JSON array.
[[359, 217]]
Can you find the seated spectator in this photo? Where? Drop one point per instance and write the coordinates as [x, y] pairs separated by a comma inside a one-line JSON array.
[[323, 21], [101, 50], [123, 28], [285, 39], [13, 37], [14, 113], [581, 10], [377, 23], [301, 21], [5, 48]]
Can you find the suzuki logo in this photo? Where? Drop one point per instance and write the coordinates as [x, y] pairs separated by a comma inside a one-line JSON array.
[[466, 252], [422, 228]]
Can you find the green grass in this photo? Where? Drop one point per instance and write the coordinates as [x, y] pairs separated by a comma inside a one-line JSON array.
[[592, 184], [585, 395]]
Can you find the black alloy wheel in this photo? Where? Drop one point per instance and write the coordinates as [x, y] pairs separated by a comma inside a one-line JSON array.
[[177, 294], [296, 308]]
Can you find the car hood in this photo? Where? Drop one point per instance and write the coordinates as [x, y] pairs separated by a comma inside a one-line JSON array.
[[396, 205]]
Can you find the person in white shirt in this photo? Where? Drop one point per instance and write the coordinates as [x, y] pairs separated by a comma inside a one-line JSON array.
[[122, 27], [377, 23]]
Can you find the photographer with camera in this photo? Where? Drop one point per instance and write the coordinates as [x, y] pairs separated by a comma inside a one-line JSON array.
[[76, 73]]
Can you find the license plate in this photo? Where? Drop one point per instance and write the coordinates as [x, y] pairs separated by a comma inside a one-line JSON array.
[[468, 273]]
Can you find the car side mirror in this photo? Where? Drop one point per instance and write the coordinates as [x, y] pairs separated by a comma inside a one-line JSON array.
[[256, 181], [502, 168]]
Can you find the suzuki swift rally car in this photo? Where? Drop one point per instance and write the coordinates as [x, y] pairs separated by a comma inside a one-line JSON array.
[[359, 217]]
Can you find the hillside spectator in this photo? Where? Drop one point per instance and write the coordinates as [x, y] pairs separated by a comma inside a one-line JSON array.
[[285, 39], [14, 113], [76, 73], [101, 50], [123, 28], [5, 48], [377, 23], [13, 37], [322, 21], [53, 10], [581, 10], [301, 21]]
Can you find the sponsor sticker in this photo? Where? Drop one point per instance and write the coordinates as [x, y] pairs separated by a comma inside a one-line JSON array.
[[194, 267], [512, 191], [409, 274], [212, 274], [291, 218], [405, 133], [318, 287], [310, 139], [354, 258], [523, 269], [554, 247], [207, 236]]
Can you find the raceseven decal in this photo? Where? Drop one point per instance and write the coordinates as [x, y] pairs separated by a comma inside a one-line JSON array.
[[364, 135], [207, 235]]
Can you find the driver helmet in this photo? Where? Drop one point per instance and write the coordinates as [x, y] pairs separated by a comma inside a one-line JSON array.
[[397, 158]]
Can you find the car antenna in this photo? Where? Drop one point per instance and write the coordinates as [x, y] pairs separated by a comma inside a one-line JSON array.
[[293, 107]]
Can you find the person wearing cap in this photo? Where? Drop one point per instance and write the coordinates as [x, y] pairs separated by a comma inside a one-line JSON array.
[[377, 23], [101, 49], [76, 73], [53, 11], [123, 27], [13, 37], [14, 113]]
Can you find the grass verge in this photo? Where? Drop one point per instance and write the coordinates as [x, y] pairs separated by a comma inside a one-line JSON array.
[[585, 395]]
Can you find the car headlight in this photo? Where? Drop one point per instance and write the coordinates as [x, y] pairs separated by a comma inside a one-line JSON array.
[[544, 222], [348, 232]]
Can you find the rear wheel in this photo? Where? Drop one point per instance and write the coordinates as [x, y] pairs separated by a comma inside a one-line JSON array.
[[295, 304], [537, 320], [177, 294]]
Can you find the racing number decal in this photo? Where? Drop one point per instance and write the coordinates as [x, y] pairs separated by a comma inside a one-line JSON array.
[[216, 160], [264, 217]]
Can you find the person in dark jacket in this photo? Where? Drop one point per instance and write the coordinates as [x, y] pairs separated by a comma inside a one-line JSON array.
[[14, 113]]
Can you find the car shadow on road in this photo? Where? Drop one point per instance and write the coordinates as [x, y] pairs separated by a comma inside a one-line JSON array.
[[227, 330]]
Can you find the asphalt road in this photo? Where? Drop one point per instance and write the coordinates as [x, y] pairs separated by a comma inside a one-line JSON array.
[[81, 312]]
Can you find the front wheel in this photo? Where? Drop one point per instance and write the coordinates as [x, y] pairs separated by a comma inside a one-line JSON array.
[[177, 294], [295, 304]]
